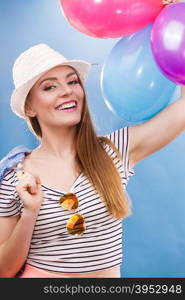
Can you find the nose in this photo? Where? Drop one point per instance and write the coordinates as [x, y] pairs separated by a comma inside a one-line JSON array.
[[65, 89]]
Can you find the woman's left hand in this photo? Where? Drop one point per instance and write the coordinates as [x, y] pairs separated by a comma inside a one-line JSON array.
[[165, 2], [183, 92]]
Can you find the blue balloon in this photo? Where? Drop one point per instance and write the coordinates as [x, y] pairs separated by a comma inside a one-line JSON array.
[[131, 83]]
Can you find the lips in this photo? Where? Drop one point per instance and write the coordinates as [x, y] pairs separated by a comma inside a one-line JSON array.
[[65, 103]]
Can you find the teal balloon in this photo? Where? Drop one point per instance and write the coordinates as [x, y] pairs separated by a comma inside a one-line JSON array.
[[131, 83]]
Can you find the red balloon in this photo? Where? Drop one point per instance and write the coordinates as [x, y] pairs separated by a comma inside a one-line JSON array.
[[110, 18]]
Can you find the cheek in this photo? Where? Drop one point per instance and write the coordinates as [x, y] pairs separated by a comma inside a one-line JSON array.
[[41, 100], [80, 93]]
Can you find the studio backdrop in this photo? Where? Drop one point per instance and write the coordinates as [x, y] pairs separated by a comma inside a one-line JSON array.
[[154, 235]]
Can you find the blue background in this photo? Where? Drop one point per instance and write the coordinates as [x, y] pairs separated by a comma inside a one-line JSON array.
[[154, 236]]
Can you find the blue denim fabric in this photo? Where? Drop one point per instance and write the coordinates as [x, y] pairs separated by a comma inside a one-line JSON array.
[[15, 156]]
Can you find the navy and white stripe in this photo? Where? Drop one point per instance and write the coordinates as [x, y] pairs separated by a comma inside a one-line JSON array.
[[52, 248]]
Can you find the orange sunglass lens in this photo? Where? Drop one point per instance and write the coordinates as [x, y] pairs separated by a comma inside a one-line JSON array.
[[69, 201], [76, 224]]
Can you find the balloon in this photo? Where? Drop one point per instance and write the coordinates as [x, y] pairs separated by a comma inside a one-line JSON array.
[[110, 18], [168, 42], [131, 83]]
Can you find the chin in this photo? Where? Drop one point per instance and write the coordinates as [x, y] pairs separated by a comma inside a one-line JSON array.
[[68, 124]]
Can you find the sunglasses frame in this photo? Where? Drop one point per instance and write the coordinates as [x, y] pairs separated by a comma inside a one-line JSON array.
[[73, 220]]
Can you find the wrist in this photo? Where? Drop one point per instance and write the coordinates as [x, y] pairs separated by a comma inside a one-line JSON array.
[[30, 212]]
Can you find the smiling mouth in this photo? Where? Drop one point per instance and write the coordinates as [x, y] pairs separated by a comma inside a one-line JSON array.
[[67, 106]]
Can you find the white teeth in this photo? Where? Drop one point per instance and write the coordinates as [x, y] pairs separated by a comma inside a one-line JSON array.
[[66, 105]]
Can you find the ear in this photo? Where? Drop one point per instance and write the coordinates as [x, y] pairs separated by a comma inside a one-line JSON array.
[[29, 112]]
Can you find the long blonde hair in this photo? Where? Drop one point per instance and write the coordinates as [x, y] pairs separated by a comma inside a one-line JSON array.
[[95, 162]]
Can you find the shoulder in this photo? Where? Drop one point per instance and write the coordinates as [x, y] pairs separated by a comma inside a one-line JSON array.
[[109, 147], [118, 140], [13, 157], [8, 180], [118, 133], [15, 151], [10, 204]]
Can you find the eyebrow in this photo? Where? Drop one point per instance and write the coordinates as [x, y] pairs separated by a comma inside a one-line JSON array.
[[55, 78]]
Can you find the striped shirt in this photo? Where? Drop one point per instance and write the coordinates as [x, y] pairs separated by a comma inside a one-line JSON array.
[[52, 248]]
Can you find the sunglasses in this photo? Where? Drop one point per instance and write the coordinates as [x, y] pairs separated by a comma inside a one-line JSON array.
[[76, 223]]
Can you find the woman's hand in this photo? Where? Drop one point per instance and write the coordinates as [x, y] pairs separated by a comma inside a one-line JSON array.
[[29, 190], [170, 1], [183, 92]]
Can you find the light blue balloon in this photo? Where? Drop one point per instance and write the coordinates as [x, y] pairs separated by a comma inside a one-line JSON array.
[[131, 83]]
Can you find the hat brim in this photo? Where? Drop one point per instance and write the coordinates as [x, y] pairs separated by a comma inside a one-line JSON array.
[[20, 94]]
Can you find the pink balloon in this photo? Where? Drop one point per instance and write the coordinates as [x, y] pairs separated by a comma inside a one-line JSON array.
[[110, 18]]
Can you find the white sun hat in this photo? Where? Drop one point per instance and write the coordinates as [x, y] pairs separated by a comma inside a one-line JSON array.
[[31, 65]]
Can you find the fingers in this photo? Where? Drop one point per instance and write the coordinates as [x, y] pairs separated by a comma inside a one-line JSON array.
[[28, 182], [37, 179], [19, 170], [31, 188], [170, 1]]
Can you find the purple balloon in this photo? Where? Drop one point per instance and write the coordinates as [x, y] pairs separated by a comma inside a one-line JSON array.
[[168, 42]]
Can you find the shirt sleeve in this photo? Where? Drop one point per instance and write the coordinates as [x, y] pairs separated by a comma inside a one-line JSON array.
[[9, 199], [120, 138]]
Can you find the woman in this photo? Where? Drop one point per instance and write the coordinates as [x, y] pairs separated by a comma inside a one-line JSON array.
[[61, 208]]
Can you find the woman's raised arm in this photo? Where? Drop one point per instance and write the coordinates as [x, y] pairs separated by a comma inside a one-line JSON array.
[[151, 136]]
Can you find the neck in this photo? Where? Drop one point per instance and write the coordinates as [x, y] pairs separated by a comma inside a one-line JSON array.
[[58, 143]]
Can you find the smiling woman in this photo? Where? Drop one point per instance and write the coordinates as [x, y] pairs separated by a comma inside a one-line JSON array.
[[62, 204], [70, 162], [56, 93]]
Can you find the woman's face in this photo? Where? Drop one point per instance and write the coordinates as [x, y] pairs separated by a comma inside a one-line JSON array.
[[57, 98]]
